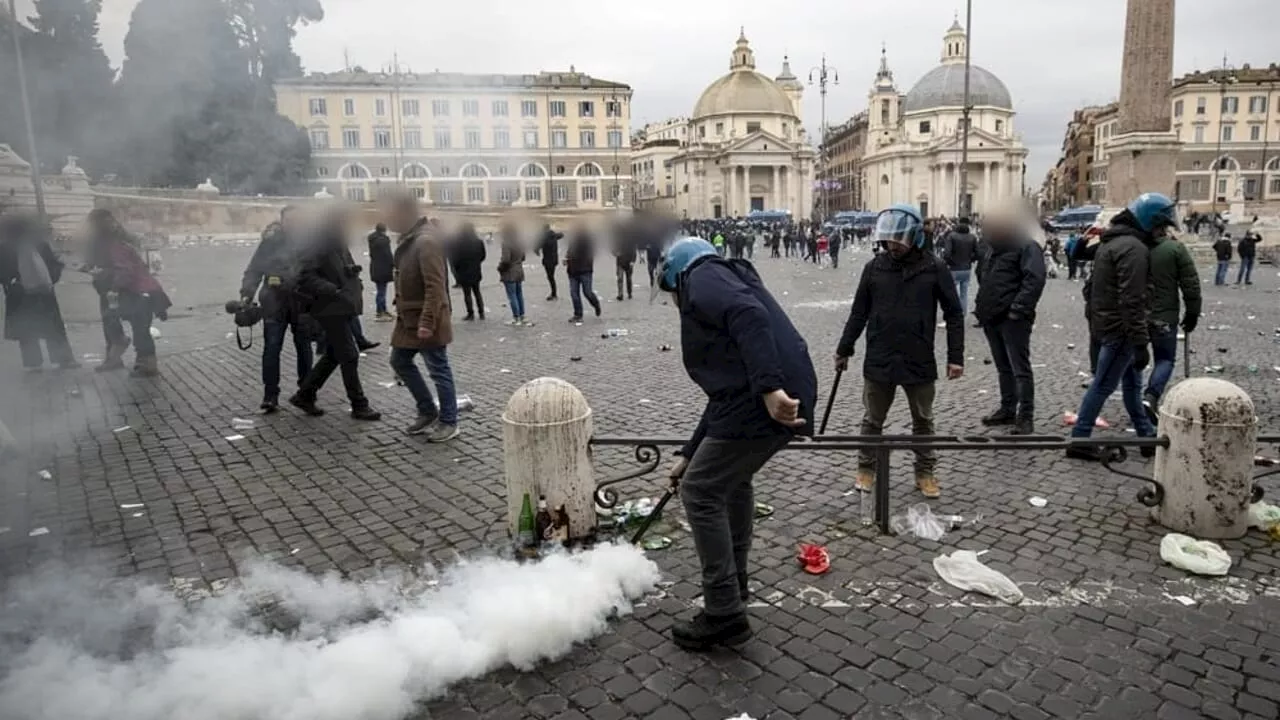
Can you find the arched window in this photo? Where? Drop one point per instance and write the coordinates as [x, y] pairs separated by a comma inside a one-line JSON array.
[[355, 172], [475, 170], [532, 170], [588, 169]]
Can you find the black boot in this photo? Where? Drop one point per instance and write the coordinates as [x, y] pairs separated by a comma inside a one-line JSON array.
[[1000, 417], [366, 344], [365, 412], [360, 409], [1023, 426], [270, 403], [306, 403], [1149, 403], [743, 591], [707, 631], [1083, 453]]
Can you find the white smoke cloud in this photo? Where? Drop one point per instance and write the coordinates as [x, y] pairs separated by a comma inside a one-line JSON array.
[[75, 646]]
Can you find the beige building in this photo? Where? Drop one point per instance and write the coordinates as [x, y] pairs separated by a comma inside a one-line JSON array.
[[653, 147], [746, 147], [842, 178], [550, 139]]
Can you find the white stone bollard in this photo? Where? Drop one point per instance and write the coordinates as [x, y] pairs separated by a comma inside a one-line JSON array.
[[1207, 470], [546, 434]]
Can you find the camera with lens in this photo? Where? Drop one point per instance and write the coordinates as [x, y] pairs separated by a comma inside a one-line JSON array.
[[247, 314], [353, 270]]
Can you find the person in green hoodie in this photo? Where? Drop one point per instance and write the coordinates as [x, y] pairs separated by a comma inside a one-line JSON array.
[[718, 242], [1175, 296]]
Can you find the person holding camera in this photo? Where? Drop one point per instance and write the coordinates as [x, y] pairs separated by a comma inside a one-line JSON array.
[[271, 275], [329, 289]]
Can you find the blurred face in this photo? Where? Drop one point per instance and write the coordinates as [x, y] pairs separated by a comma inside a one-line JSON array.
[[897, 249], [400, 216], [289, 220]]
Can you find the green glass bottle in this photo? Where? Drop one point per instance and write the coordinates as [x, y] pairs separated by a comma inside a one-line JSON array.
[[526, 536]]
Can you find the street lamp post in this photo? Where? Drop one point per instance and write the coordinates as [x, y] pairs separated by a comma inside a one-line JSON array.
[[612, 102], [824, 72], [1222, 101], [962, 204], [32, 155]]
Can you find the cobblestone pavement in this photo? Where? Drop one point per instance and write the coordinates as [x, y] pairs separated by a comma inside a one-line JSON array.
[[1101, 635]]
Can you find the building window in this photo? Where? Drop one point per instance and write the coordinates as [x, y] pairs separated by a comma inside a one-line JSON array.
[[440, 108], [719, 128], [446, 194], [1275, 186], [420, 193], [413, 139], [586, 138], [589, 170], [1196, 164], [559, 139], [501, 138], [503, 171], [475, 194], [444, 139], [884, 112], [319, 107], [786, 130], [1177, 108], [380, 107], [1250, 189], [926, 127], [319, 139], [445, 171], [471, 108], [506, 195], [753, 127], [471, 138], [382, 138], [557, 108], [589, 193], [1201, 104], [384, 172], [586, 108], [529, 108], [999, 126], [702, 131], [474, 171], [1199, 134], [1258, 104], [1196, 186], [533, 193], [531, 138], [1227, 133], [615, 138], [1222, 187], [1230, 105], [409, 108], [560, 170], [1255, 133], [355, 194], [322, 172], [500, 108], [613, 109], [415, 172], [560, 193], [349, 107], [351, 138]]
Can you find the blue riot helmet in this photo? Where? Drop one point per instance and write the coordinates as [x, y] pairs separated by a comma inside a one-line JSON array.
[[680, 257], [1154, 211], [899, 225]]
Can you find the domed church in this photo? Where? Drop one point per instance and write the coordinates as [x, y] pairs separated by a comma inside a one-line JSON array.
[[913, 149], [747, 149]]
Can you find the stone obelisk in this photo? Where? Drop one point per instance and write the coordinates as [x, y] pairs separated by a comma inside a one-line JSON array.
[[1143, 156]]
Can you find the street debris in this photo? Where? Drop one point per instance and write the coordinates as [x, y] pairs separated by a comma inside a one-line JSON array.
[[962, 569], [1038, 502], [1264, 516], [387, 385], [1202, 557], [664, 348], [656, 543], [132, 506], [615, 332], [138, 514], [233, 438], [241, 424], [575, 358], [121, 429], [505, 371], [645, 401], [1183, 599], [38, 532], [919, 521], [465, 403], [45, 475], [155, 332], [814, 559]]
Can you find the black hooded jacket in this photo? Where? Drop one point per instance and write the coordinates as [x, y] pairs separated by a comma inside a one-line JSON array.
[[1118, 290], [1011, 280], [960, 248]]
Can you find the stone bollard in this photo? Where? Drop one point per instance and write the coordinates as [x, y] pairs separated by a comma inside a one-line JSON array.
[[546, 434], [1207, 470]]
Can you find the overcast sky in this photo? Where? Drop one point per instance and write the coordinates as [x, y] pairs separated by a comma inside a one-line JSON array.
[[1054, 55]]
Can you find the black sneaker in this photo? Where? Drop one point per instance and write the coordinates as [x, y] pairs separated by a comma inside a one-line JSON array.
[[421, 425], [366, 345], [306, 405], [1088, 454], [575, 319], [744, 593], [1000, 417], [597, 307], [1149, 404], [270, 404], [619, 298], [469, 318], [1023, 426], [707, 631], [365, 413]]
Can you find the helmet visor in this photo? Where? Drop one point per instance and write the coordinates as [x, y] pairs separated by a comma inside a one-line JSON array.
[[895, 227]]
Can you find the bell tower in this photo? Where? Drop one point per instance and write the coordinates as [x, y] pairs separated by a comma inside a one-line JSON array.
[[883, 104]]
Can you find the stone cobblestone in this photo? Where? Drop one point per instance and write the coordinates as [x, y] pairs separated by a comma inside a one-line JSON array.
[[878, 637]]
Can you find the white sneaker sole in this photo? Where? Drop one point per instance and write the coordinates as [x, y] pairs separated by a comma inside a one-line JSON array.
[[446, 438]]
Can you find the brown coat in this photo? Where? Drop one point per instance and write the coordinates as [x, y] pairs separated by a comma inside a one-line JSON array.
[[422, 291]]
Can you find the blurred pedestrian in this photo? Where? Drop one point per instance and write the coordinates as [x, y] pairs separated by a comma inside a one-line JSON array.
[[380, 269], [468, 256], [511, 271], [29, 270], [127, 292]]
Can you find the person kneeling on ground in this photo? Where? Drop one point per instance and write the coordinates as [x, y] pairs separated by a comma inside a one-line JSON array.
[[740, 347]]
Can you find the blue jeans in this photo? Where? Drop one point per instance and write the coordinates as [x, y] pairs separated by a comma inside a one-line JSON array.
[[515, 298], [272, 344], [1246, 270], [1164, 357], [1221, 277], [1115, 369], [579, 285], [962, 288], [437, 362], [380, 296]]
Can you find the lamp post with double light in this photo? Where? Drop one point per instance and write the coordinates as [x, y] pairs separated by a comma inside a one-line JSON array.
[[824, 74]]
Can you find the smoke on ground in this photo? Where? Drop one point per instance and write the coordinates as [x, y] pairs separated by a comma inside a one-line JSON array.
[[283, 645]]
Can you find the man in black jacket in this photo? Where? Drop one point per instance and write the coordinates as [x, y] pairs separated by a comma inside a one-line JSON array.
[[624, 253], [1222, 249], [579, 261], [1011, 280], [1247, 249], [896, 303], [329, 286], [381, 267], [959, 249], [1118, 306], [549, 249], [468, 256], [271, 275], [742, 350]]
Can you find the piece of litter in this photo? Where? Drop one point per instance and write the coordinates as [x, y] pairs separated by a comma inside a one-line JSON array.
[[38, 532], [645, 401], [120, 429], [132, 506], [155, 333], [1202, 557], [465, 403], [505, 371], [230, 335], [293, 551], [139, 514], [963, 570], [1184, 600], [387, 384], [656, 543], [1057, 326], [1038, 501], [233, 438], [364, 354], [45, 475], [241, 424]]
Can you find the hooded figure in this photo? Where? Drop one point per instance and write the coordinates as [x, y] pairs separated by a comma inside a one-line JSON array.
[[127, 292], [29, 269], [740, 347]]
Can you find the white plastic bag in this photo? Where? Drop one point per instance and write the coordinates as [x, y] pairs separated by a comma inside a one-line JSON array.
[[962, 569], [1198, 556], [1264, 516], [919, 521]]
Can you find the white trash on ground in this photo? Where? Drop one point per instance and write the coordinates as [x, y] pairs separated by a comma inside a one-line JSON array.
[[241, 424], [963, 570], [1202, 557], [919, 521], [1264, 516], [155, 332], [465, 403], [1038, 502]]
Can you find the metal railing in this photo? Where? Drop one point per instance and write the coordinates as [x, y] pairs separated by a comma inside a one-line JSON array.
[[1111, 451]]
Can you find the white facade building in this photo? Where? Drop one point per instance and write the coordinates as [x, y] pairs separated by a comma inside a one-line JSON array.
[[913, 152], [746, 149]]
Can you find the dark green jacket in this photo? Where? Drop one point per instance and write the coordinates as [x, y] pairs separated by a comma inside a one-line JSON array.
[[1172, 270]]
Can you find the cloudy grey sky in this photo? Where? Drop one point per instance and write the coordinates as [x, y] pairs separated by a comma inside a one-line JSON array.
[[1054, 55]]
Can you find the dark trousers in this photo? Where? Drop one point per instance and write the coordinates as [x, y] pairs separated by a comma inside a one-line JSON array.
[[719, 502], [470, 290], [273, 332], [1010, 342], [580, 285], [1245, 274], [357, 330], [624, 275], [551, 278], [877, 398], [380, 296], [1164, 357], [33, 354], [652, 268], [139, 321], [339, 351]]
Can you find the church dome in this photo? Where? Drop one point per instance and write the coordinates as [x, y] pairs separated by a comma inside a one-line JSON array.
[[743, 90], [943, 86]]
